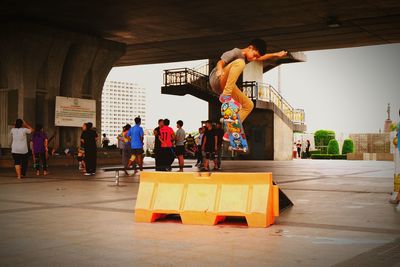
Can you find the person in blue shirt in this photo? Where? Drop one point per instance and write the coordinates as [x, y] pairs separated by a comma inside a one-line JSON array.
[[136, 135]]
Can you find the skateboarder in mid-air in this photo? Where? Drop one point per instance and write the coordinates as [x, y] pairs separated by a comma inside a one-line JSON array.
[[228, 69]]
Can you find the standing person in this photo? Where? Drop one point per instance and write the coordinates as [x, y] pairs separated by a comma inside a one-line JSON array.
[[167, 136], [89, 139], [157, 143], [229, 68], [180, 144], [125, 146], [19, 146], [105, 142], [136, 135], [298, 149], [209, 146], [81, 153], [40, 149], [395, 198], [220, 134], [308, 148], [198, 151]]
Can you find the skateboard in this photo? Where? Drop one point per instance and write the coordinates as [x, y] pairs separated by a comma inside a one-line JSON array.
[[233, 126]]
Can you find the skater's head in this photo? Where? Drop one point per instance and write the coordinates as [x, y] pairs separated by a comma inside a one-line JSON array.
[[104, 135], [166, 122], [89, 125], [18, 123], [138, 120], [218, 125], [179, 124], [160, 122], [255, 49], [201, 130]]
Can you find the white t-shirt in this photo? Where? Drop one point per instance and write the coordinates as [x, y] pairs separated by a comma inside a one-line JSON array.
[[19, 143]]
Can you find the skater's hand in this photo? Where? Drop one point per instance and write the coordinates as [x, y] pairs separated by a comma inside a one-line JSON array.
[[282, 53]]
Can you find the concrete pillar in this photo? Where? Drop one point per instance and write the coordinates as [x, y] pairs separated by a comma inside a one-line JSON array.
[[41, 63]]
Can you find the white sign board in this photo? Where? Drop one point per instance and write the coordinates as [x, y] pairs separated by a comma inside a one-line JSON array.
[[73, 112]]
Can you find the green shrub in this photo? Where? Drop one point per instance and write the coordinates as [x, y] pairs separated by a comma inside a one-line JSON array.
[[322, 138], [328, 156], [333, 147], [348, 146]]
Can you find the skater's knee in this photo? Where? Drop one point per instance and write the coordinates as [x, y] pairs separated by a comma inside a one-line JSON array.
[[248, 105], [251, 105]]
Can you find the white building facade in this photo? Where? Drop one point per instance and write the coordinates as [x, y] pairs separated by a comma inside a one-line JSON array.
[[121, 103]]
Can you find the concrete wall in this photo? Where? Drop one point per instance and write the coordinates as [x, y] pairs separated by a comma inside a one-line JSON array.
[[283, 138], [40, 62]]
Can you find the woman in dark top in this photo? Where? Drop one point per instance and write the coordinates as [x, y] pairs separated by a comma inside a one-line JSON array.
[[89, 141]]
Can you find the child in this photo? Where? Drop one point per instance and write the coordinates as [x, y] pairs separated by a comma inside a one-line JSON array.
[[231, 65], [40, 149], [209, 146]]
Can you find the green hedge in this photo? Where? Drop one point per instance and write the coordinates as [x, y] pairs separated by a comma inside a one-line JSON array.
[[348, 146], [333, 147], [322, 137], [328, 156]]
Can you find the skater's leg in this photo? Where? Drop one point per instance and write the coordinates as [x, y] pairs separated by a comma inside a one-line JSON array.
[[247, 104], [230, 76]]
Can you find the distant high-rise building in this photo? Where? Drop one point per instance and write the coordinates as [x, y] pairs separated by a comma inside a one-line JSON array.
[[121, 102]]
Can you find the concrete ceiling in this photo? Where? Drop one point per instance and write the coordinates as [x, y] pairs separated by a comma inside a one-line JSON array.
[[168, 31]]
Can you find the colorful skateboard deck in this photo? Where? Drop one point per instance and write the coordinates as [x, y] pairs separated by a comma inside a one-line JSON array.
[[233, 125]]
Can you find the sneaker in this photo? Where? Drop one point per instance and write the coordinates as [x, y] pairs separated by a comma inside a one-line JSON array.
[[87, 174], [226, 137], [225, 98]]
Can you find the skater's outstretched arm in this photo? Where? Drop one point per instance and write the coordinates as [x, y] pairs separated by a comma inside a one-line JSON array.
[[273, 56]]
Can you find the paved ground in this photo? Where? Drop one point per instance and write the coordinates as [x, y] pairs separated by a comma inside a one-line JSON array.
[[341, 217]]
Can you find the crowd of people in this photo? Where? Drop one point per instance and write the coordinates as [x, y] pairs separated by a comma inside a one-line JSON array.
[[168, 145]]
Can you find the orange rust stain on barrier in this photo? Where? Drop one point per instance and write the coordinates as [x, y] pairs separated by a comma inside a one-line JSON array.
[[206, 199]]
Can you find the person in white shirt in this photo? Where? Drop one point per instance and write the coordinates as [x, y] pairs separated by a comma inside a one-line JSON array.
[[19, 146]]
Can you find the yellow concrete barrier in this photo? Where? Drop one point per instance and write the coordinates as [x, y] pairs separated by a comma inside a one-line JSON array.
[[206, 199]]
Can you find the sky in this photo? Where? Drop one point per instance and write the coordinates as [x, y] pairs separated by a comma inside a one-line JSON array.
[[345, 90]]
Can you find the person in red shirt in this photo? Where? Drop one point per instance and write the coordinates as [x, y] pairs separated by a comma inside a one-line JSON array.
[[166, 137]]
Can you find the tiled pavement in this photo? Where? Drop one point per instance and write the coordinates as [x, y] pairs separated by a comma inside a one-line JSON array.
[[341, 217]]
